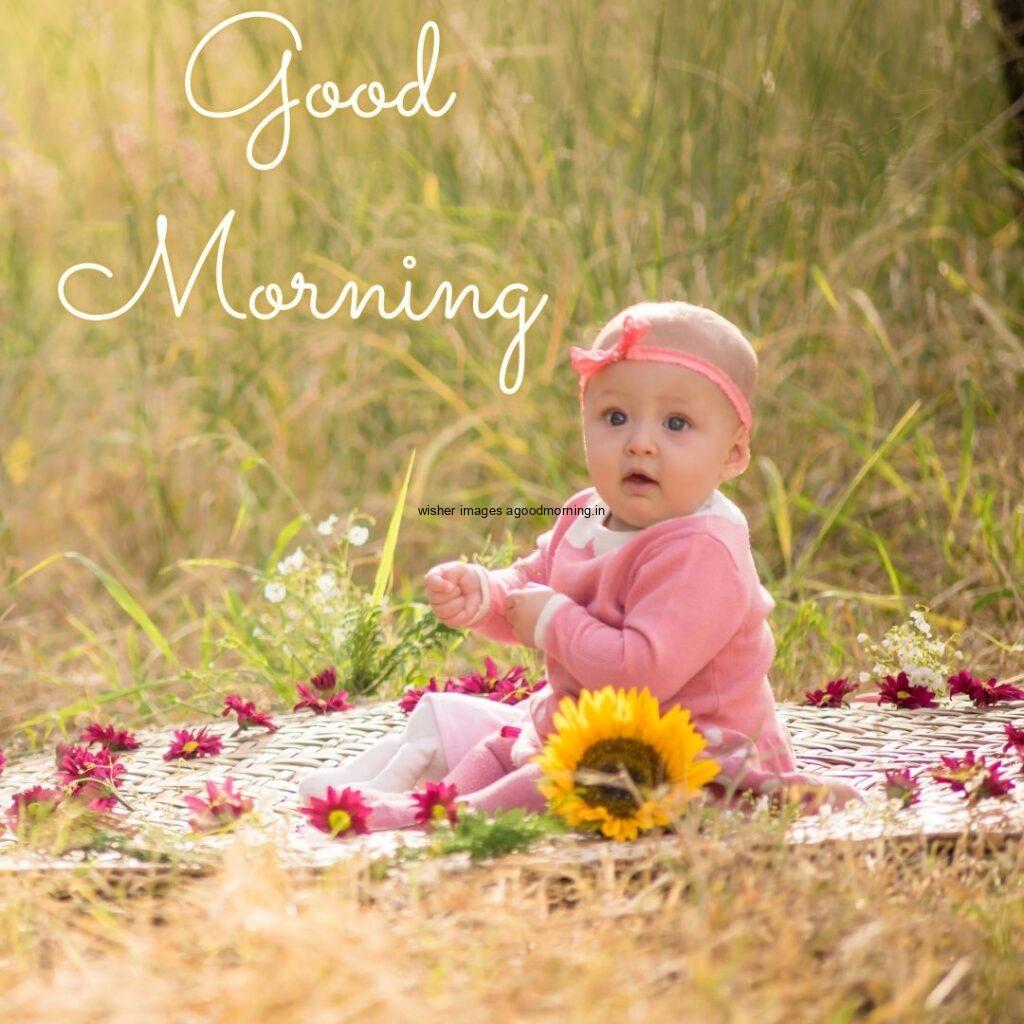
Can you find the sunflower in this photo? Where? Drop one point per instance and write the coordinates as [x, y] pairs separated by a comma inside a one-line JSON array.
[[621, 733]]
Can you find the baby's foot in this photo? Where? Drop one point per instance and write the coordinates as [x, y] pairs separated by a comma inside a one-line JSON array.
[[363, 767], [407, 767]]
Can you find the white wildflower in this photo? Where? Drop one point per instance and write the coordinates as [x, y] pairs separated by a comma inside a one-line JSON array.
[[862, 638], [258, 632], [358, 536], [326, 527], [327, 585], [917, 675], [864, 677], [295, 561], [275, 592]]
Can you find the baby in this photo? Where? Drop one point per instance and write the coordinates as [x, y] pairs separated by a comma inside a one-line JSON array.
[[646, 579]]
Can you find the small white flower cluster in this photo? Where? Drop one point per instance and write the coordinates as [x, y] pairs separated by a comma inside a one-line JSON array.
[[326, 585], [293, 563], [306, 607], [910, 647], [327, 588], [326, 527], [357, 535]]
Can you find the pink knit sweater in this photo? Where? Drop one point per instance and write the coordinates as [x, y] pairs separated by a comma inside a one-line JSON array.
[[676, 607]]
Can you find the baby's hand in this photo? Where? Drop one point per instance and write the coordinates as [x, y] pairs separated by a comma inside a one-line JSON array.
[[522, 608], [453, 590]]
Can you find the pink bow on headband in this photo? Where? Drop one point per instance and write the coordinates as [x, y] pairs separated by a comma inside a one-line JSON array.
[[587, 361]]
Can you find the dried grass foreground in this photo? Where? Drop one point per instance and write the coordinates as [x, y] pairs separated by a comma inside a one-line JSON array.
[[702, 926]]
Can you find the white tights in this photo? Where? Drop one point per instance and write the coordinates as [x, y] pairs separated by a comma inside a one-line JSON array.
[[394, 764]]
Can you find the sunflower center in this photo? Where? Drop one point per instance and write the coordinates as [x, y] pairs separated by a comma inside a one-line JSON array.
[[640, 760], [338, 821]]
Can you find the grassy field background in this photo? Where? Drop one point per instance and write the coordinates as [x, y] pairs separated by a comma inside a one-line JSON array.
[[830, 176]]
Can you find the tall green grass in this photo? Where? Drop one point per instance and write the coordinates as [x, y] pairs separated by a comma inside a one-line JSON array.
[[830, 176]]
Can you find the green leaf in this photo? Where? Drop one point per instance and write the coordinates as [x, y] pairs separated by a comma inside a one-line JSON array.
[[119, 593], [284, 539], [484, 836], [382, 580], [834, 513]]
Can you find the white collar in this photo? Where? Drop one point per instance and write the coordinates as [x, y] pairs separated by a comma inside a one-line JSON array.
[[586, 528]]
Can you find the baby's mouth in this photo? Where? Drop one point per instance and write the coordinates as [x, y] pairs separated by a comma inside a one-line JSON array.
[[638, 479]]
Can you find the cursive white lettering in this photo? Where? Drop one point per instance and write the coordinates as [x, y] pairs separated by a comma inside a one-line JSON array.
[[266, 301], [330, 98]]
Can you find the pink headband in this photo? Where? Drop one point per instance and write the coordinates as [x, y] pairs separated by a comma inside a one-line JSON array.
[[588, 361]]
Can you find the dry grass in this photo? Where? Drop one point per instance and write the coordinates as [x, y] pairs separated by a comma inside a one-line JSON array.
[[712, 929]]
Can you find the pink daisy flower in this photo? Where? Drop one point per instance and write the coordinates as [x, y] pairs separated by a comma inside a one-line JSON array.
[[322, 705], [191, 743], [31, 805], [900, 692], [506, 691], [971, 776], [435, 803], [336, 813], [108, 736], [963, 682], [983, 694], [1014, 740], [833, 696], [325, 680], [900, 785], [90, 775], [94, 771], [248, 716], [474, 682], [492, 679], [223, 806], [412, 696], [510, 688]]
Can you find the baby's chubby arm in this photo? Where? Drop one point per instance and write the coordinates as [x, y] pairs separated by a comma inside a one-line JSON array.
[[685, 602]]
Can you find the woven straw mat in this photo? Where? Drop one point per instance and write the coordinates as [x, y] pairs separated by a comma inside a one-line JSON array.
[[853, 744]]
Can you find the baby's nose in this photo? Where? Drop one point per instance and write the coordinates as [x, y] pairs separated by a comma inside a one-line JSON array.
[[640, 440]]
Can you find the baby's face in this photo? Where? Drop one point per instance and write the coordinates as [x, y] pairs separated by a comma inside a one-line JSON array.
[[671, 426]]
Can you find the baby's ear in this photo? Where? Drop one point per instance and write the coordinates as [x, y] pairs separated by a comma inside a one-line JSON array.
[[739, 456]]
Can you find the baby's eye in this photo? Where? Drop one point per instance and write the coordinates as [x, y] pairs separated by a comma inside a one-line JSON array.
[[676, 423], [616, 417]]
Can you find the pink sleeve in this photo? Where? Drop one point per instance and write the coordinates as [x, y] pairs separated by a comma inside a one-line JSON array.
[[496, 583], [685, 602]]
